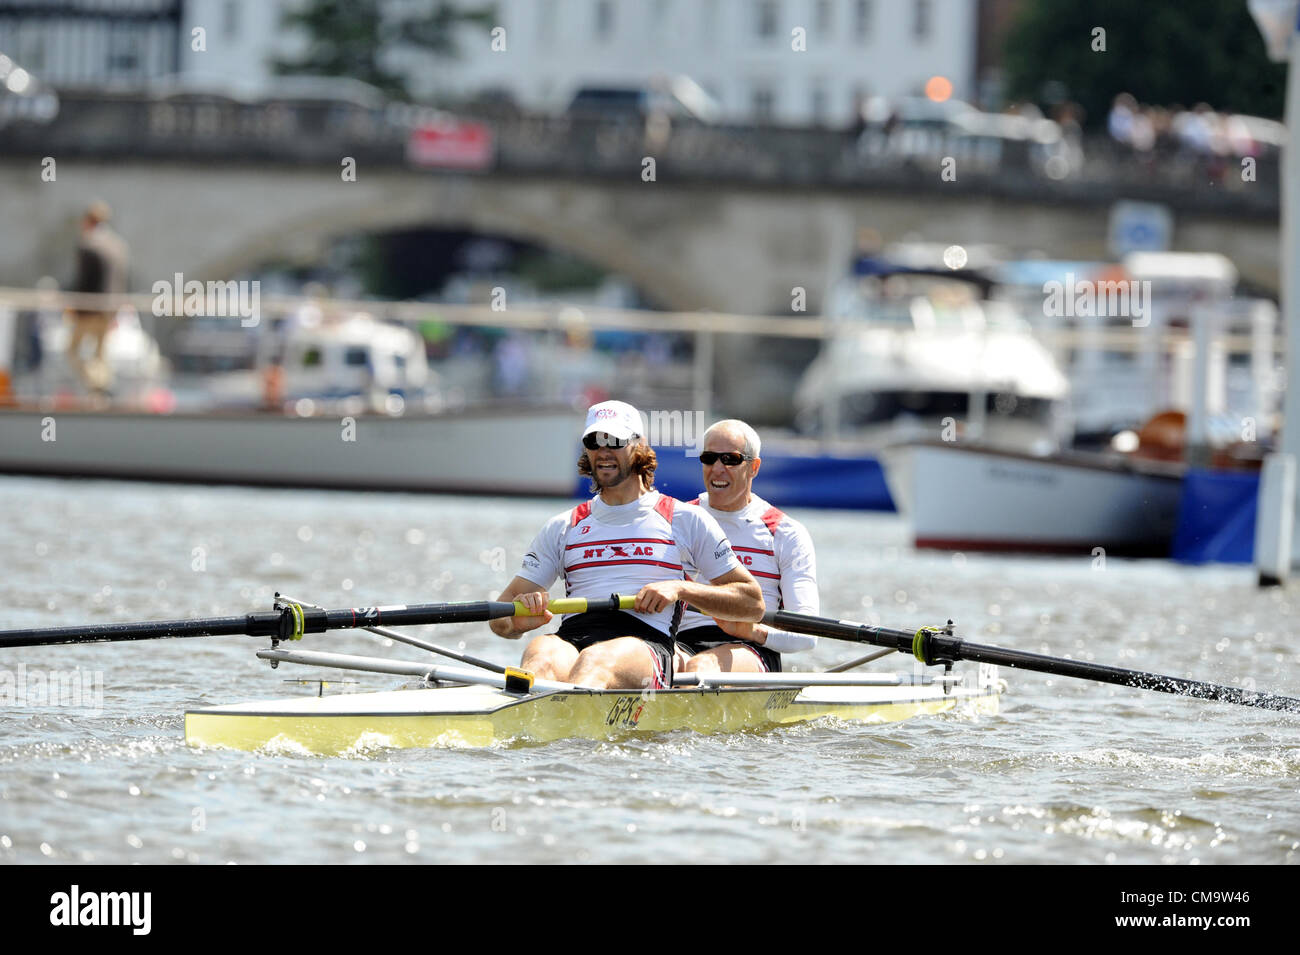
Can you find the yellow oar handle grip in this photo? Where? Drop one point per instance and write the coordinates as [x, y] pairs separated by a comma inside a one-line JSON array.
[[581, 605]]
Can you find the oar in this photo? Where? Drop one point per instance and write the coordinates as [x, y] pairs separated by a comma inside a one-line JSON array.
[[934, 646], [292, 621], [403, 638], [850, 664]]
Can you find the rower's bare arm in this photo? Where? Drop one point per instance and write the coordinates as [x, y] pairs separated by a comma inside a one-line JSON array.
[[524, 590], [735, 595], [753, 632]]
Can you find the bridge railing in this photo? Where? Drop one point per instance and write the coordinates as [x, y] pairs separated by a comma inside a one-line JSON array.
[[206, 127]]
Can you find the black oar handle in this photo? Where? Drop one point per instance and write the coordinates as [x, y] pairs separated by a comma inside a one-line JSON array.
[[932, 646]]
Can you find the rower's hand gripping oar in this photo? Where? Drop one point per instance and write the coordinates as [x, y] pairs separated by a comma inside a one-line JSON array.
[[938, 646], [292, 621]]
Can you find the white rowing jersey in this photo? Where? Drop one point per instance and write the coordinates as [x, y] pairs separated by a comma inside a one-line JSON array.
[[601, 549], [777, 550]]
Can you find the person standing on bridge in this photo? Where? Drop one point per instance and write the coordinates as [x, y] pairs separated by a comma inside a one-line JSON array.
[[775, 548], [101, 270]]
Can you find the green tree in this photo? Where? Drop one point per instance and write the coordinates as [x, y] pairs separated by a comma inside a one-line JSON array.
[[350, 37], [1164, 53]]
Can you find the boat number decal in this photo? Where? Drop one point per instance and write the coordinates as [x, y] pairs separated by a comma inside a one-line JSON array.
[[372, 613], [625, 712], [780, 699]]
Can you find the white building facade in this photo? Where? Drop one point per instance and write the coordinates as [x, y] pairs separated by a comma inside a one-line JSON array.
[[793, 62], [798, 62]]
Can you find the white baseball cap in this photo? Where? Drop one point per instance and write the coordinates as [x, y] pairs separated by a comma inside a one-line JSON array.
[[618, 419]]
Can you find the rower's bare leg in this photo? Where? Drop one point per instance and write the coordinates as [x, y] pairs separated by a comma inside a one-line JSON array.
[[680, 656], [624, 663], [728, 658], [549, 658]]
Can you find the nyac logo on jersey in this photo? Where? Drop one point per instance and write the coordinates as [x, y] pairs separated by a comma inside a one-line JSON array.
[[619, 550]]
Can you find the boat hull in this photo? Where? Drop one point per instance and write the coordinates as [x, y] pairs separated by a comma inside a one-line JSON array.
[[971, 498], [482, 716], [443, 453]]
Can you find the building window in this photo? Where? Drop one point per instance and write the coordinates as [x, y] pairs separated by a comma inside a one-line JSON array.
[[921, 19], [546, 21], [604, 19], [767, 14], [123, 53], [230, 19], [763, 102], [861, 20], [820, 103], [825, 18]]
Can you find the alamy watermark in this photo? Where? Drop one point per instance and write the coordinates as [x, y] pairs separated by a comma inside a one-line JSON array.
[[194, 299], [73, 688], [1123, 298], [673, 429], [127, 909]]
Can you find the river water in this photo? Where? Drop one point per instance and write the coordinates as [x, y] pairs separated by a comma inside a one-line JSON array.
[[1069, 771]]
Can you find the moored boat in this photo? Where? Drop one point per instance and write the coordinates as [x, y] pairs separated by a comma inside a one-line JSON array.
[[412, 452], [967, 497]]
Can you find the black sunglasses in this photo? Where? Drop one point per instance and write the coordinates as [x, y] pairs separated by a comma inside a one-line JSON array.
[[599, 439], [729, 458]]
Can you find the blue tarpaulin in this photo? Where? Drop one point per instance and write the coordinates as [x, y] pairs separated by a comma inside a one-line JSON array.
[[786, 480], [1216, 521]]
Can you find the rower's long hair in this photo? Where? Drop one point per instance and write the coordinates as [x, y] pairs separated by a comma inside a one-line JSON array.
[[643, 463]]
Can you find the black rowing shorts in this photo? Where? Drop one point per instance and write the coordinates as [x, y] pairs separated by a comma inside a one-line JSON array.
[[698, 639], [582, 630]]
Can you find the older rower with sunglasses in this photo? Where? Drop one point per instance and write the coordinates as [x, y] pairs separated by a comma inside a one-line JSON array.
[[776, 549], [628, 539]]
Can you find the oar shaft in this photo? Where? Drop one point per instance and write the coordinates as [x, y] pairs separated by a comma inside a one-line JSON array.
[[282, 623], [938, 647], [253, 624], [405, 638], [1120, 676]]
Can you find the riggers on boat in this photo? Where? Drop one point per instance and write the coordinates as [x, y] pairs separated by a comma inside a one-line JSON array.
[[484, 715], [489, 703]]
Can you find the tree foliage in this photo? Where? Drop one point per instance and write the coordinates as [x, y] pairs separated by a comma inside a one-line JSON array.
[[351, 37], [1164, 53]]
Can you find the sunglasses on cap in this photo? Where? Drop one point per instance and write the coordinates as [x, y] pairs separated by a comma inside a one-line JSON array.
[[729, 458], [599, 439]]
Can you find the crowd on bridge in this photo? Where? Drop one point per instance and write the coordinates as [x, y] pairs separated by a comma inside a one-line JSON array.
[[1199, 134]]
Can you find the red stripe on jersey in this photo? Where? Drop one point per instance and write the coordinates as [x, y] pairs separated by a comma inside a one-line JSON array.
[[607, 563], [665, 506], [754, 550], [759, 573], [580, 513], [772, 517]]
